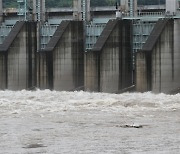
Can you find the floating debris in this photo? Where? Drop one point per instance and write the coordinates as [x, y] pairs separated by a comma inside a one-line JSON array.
[[130, 126], [33, 146]]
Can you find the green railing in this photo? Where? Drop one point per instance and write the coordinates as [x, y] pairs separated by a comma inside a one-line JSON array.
[[4, 31]]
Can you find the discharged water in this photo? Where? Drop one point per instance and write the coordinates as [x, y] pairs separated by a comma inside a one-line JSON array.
[[51, 122]]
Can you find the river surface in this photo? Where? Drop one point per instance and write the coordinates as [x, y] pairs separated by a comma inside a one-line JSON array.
[[51, 122]]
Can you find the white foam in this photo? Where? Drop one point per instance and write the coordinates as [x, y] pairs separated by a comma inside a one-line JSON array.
[[54, 101]]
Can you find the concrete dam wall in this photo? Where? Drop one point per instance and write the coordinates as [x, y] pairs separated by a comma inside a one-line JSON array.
[[18, 57], [108, 66], [157, 64], [60, 66], [61, 63]]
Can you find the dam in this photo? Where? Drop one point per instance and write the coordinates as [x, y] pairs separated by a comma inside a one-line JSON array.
[[111, 49]]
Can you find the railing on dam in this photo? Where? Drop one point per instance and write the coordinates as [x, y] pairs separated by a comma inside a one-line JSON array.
[[141, 32], [143, 24], [178, 13], [151, 14], [4, 31], [93, 31], [47, 32]]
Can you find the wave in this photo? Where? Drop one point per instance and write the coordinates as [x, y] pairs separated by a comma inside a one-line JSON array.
[[16, 102]]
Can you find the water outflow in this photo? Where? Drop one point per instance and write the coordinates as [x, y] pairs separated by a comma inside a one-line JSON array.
[[53, 101], [82, 122]]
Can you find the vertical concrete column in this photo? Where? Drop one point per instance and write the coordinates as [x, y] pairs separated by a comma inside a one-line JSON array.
[[3, 70], [39, 14], [124, 5], [91, 71], [77, 10], [43, 10], [127, 5], [35, 18], [34, 10], [171, 6], [141, 72], [131, 8], [39, 5], [1, 11], [88, 10], [135, 8], [176, 45]]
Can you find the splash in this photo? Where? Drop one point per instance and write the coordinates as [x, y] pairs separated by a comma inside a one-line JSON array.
[[53, 101]]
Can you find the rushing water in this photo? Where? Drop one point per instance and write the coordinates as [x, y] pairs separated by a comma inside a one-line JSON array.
[[51, 122]]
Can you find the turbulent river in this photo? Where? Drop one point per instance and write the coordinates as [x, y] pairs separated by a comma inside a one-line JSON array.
[[51, 122]]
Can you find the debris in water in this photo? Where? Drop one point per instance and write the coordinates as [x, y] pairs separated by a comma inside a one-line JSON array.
[[33, 146], [130, 126]]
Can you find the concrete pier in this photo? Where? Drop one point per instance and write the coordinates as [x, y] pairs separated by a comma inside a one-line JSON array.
[[109, 64], [157, 64], [18, 57], [62, 61]]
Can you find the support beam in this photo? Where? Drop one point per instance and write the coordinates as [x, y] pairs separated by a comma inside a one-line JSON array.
[[34, 10], [124, 5], [43, 10], [39, 10], [135, 8], [171, 7], [129, 6], [88, 10], [1, 11], [77, 10]]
